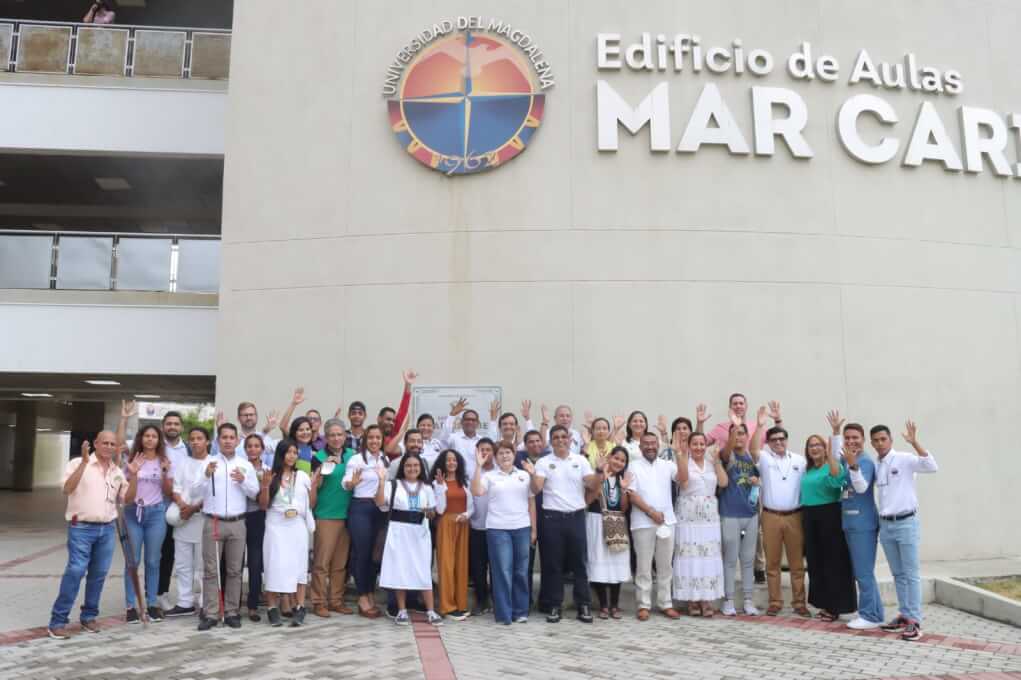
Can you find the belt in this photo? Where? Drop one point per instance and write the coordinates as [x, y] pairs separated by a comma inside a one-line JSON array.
[[229, 518], [564, 514], [81, 521], [781, 512], [364, 500], [897, 518], [407, 516]]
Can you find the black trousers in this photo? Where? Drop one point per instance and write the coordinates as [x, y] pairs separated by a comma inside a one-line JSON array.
[[166, 561], [255, 526], [564, 544], [478, 566], [830, 575]]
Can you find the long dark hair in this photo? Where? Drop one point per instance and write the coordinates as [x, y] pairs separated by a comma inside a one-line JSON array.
[[404, 460], [627, 424], [136, 446], [627, 459], [278, 465], [364, 448], [460, 474], [292, 431]]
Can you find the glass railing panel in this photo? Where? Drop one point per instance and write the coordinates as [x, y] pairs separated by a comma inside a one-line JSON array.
[[210, 55], [198, 266], [84, 262], [25, 261], [143, 264], [101, 51], [159, 54], [44, 49], [6, 43]]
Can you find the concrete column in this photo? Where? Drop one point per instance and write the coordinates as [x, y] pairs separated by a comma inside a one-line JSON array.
[[24, 445]]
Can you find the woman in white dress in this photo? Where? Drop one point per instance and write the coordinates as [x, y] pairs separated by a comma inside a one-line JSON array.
[[409, 501], [286, 495], [608, 569], [698, 561]]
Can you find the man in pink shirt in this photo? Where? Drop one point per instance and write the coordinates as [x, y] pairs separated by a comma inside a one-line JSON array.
[[94, 486]]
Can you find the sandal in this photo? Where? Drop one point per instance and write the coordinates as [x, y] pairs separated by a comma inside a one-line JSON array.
[[695, 609], [707, 612], [826, 616], [615, 613], [604, 613]]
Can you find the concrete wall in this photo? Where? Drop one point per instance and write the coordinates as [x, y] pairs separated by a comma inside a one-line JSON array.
[[633, 280]]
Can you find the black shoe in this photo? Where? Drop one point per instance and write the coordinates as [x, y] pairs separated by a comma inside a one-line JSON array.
[[299, 617], [912, 632], [760, 576], [179, 611], [391, 612], [554, 615], [273, 614], [233, 621], [584, 613], [205, 623], [896, 625], [131, 616], [253, 615], [155, 614]]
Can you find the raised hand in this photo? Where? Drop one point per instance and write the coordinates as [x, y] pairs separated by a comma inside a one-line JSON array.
[[85, 452], [441, 478], [675, 441], [605, 467], [544, 410], [356, 477], [299, 396], [528, 467], [774, 410], [661, 425], [135, 465], [910, 433], [625, 481], [457, 406], [850, 457], [618, 422], [128, 408], [410, 377], [760, 417], [272, 419], [265, 480], [526, 408], [835, 421], [702, 414], [221, 418], [494, 409], [735, 419], [481, 458]]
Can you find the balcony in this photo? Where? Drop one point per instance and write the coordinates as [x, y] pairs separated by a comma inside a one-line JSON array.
[[65, 48]]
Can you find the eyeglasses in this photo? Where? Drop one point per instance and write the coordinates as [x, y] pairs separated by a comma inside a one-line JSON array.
[[777, 439]]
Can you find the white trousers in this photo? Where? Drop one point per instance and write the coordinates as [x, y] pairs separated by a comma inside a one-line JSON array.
[[187, 569], [647, 547]]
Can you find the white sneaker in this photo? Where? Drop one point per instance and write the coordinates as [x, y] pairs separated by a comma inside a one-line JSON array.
[[728, 608], [434, 618], [750, 609], [858, 623], [521, 619], [402, 618]]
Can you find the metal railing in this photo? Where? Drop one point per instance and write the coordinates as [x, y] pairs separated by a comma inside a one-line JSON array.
[[86, 260], [114, 50]]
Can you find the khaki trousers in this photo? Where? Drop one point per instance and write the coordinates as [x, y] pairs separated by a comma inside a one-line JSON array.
[[784, 533], [329, 562], [230, 541], [649, 546]]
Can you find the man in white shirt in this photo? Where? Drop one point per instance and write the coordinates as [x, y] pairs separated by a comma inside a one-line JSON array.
[[178, 453], [229, 481], [464, 440], [478, 542], [649, 480], [564, 417], [562, 479], [188, 535], [898, 522], [248, 419], [780, 472]]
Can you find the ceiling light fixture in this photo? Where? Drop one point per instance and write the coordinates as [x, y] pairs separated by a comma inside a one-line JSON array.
[[36, 394], [42, 429], [102, 382], [147, 396]]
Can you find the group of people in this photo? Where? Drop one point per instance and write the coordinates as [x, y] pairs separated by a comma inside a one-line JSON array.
[[673, 510]]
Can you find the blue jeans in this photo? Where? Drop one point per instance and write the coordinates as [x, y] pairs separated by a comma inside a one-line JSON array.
[[862, 546], [89, 553], [363, 523], [508, 568], [900, 543], [150, 533]]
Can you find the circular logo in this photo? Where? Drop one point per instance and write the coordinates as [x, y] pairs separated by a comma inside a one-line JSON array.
[[466, 104]]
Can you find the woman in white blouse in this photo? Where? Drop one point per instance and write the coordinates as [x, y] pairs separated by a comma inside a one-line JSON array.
[[698, 561], [407, 555], [287, 496], [364, 471]]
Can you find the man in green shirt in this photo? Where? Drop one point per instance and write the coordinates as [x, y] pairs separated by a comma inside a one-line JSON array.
[[330, 501]]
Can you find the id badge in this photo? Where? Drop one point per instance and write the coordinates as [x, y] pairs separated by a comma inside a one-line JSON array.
[[845, 494], [290, 513]]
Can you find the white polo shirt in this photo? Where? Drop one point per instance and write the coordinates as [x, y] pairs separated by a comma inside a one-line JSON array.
[[508, 495], [369, 482], [178, 455], [781, 479], [652, 482], [564, 488], [895, 481]]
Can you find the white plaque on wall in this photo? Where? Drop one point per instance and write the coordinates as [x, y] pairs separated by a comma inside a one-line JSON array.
[[436, 400]]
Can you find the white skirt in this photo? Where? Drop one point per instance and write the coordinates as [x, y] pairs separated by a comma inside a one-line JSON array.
[[407, 557], [284, 552], [698, 560], [604, 566]]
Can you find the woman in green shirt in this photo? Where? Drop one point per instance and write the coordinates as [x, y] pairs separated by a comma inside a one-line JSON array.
[[830, 577]]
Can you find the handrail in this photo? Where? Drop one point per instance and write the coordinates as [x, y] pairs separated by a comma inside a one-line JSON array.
[[172, 56], [131, 234]]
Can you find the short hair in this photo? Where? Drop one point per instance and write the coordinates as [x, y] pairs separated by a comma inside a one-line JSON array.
[[255, 437], [410, 432], [697, 434], [204, 431], [315, 411], [356, 406], [734, 396], [650, 433], [485, 440], [856, 427], [678, 421], [334, 422], [507, 415], [876, 429], [563, 406], [627, 457], [172, 414], [226, 426], [738, 425], [425, 416], [558, 428], [385, 410], [531, 433], [243, 405], [776, 429], [470, 410], [505, 445]]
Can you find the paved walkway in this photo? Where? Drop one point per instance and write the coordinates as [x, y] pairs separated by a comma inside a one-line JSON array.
[[956, 645]]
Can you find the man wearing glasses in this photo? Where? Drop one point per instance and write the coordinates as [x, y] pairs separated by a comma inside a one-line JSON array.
[[94, 486], [781, 471]]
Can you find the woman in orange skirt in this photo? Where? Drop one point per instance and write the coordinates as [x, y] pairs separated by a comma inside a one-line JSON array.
[[454, 506]]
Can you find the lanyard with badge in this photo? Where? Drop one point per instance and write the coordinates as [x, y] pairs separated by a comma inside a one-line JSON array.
[[291, 512]]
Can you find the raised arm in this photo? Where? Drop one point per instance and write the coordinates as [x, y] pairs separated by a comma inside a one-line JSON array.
[[682, 468], [128, 409], [71, 483], [401, 419], [925, 462], [722, 479], [271, 421], [285, 420], [264, 499], [731, 439], [618, 429], [481, 459], [755, 443], [702, 416], [544, 424]]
